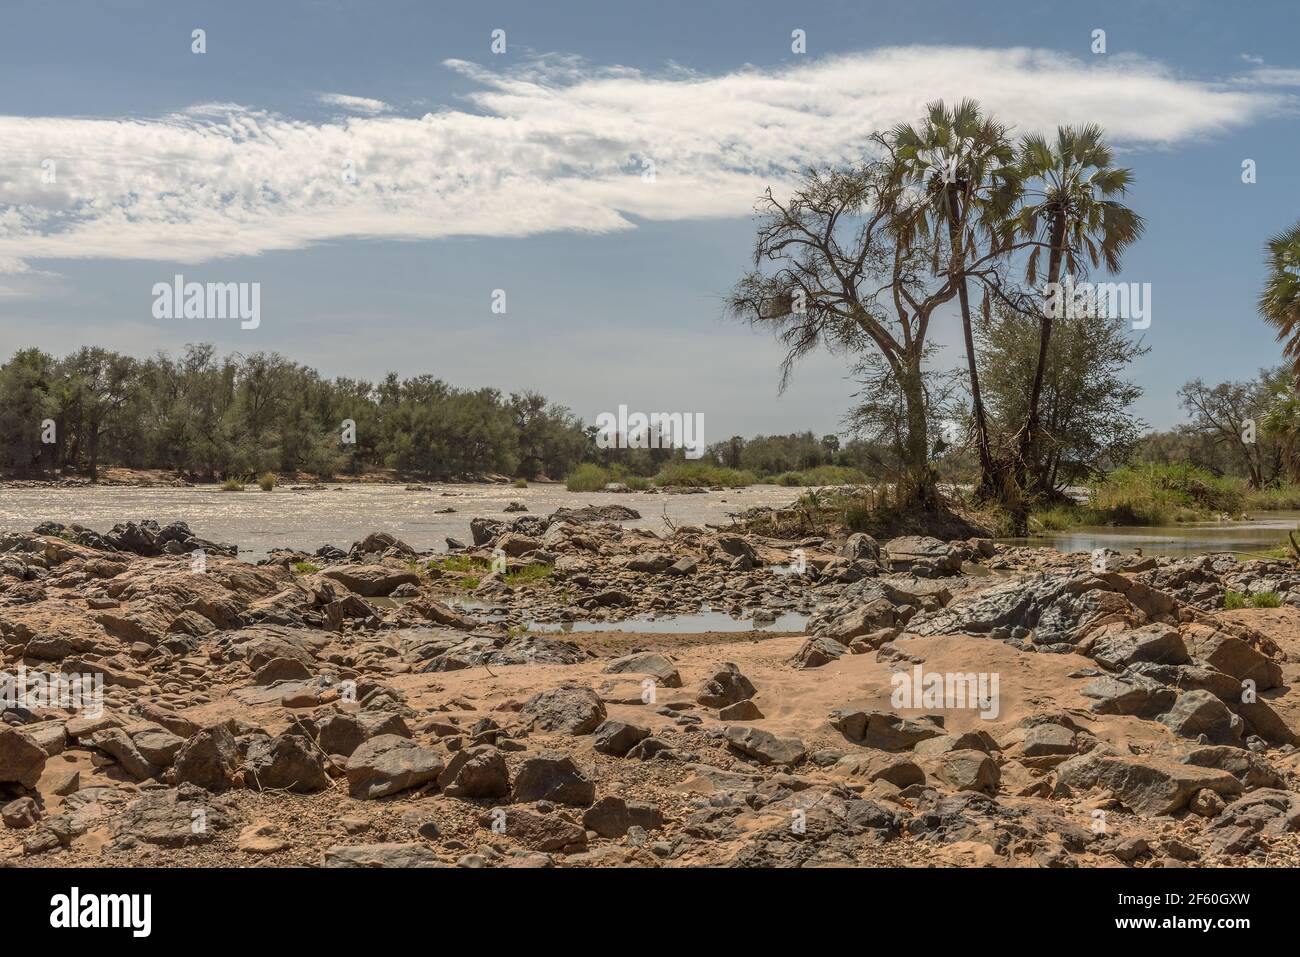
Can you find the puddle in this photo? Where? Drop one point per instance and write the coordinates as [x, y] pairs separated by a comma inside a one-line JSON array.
[[700, 621]]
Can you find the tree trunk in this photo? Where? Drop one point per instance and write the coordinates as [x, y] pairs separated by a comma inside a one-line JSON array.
[[920, 477], [1029, 440], [987, 483]]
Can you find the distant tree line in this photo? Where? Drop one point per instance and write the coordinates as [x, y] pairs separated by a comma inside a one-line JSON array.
[[209, 417]]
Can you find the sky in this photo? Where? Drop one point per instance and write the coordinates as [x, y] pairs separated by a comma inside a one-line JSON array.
[[383, 172]]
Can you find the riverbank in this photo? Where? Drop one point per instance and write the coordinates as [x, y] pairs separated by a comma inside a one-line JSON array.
[[349, 714]]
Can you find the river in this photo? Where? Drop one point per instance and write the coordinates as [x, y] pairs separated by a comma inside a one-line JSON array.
[[258, 521]]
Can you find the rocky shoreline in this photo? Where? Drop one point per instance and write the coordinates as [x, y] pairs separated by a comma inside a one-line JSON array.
[[961, 702]]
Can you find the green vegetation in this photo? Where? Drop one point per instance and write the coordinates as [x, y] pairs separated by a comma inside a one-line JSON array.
[[232, 485], [458, 563], [588, 477], [266, 481], [1233, 600], [702, 475], [820, 475], [529, 574], [521, 483], [305, 568]]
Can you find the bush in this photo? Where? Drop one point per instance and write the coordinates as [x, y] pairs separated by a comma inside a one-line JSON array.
[[701, 475], [1265, 599], [305, 568], [266, 482], [521, 483], [1275, 497], [1233, 600], [588, 477], [637, 483], [529, 573], [232, 485], [1158, 494]]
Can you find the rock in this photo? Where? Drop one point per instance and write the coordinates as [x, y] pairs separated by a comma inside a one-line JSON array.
[[281, 669], [569, 709], [1133, 694], [1197, 713], [1149, 786], [114, 741], [1157, 643], [478, 772], [650, 562], [21, 758], [684, 566], [1047, 740], [883, 729], [611, 817], [766, 747], [727, 686], [371, 581], [920, 551], [552, 776], [158, 747], [1206, 803], [387, 764], [617, 738], [209, 759], [880, 766], [860, 545], [292, 763], [740, 711], [968, 771], [20, 814], [647, 663], [1246, 766], [262, 837], [165, 819], [738, 547], [542, 832], [817, 651], [1234, 657], [382, 855]]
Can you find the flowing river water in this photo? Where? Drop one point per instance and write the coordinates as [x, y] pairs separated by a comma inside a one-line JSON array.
[[258, 521]]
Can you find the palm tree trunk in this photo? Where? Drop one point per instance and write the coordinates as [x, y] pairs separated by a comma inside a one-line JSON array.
[[1029, 439], [987, 482]]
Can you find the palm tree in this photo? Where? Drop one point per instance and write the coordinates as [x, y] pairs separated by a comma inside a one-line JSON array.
[[1069, 207], [1279, 303], [963, 162]]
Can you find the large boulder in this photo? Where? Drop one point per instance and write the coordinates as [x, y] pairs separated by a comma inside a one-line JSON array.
[[387, 764], [569, 709], [208, 759], [765, 747], [1147, 785], [913, 552], [21, 759], [478, 772], [727, 686], [657, 666], [1197, 713], [1157, 643], [552, 776], [370, 581]]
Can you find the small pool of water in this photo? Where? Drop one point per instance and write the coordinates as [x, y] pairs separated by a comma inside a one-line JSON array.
[[692, 623]]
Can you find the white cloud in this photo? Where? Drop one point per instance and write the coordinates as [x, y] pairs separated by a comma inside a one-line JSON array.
[[356, 104], [555, 145]]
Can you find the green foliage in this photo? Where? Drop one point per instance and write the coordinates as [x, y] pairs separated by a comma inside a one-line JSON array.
[[1154, 494], [1233, 600], [305, 568], [701, 475], [266, 481], [529, 574], [588, 477], [521, 483], [232, 485], [1265, 599]]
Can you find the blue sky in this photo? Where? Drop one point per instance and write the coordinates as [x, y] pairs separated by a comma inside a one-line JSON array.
[[519, 171]]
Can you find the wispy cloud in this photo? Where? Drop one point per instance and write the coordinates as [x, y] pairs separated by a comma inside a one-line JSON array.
[[356, 104], [557, 144]]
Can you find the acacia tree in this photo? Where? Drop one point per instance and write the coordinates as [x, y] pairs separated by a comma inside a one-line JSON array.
[[830, 271]]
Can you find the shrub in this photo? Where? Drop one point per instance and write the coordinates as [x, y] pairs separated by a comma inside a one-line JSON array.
[[266, 481], [588, 477], [1233, 600], [305, 568], [1265, 599], [701, 475], [521, 483], [232, 485], [529, 573], [1158, 494]]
